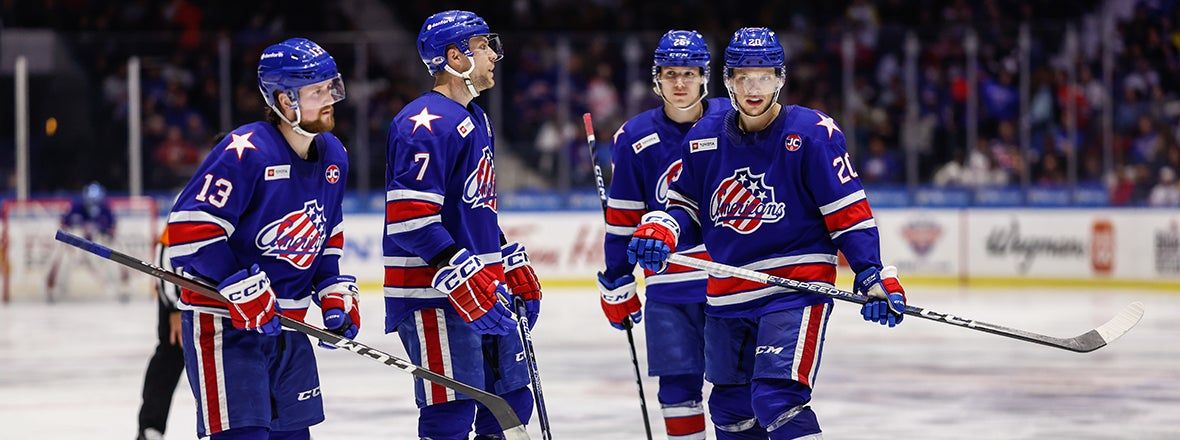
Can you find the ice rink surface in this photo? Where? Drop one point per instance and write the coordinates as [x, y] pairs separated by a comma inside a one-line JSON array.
[[75, 371]]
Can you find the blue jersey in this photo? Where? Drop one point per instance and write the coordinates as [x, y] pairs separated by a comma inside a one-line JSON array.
[[647, 158], [97, 218], [782, 200], [254, 201], [440, 195]]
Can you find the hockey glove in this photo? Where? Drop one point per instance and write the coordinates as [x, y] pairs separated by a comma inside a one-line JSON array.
[[475, 293], [251, 301], [339, 301], [653, 241], [888, 304], [620, 303], [522, 280]]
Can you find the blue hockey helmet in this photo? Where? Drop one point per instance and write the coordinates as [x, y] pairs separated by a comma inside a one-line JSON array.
[[456, 28], [297, 62], [93, 193], [679, 48], [754, 47]]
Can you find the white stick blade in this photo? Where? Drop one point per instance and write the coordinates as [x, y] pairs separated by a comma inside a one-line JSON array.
[[1122, 323]]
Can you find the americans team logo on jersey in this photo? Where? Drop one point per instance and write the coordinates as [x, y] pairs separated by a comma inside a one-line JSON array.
[[670, 175], [743, 202], [480, 188], [297, 237]]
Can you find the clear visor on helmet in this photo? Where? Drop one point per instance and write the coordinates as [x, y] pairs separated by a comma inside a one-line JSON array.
[[321, 94], [669, 76], [754, 83], [486, 42]]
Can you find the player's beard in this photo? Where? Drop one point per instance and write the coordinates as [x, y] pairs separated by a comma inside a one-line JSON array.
[[326, 122]]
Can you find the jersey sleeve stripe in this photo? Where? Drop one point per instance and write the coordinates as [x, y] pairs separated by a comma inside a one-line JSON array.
[[409, 194], [411, 225], [414, 292], [842, 202], [336, 241], [870, 223], [625, 231], [623, 217], [674, 195], [403, 261], [848, 216], [181, 233], [180, 250], [201, 217], [625, 204], [402, 210], [409, 276]]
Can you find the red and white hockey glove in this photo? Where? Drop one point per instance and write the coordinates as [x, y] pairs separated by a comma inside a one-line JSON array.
[[522, 280], [339, 301], [475, 293], [620, 303], [888, 304], [653, 241], [251, 301]]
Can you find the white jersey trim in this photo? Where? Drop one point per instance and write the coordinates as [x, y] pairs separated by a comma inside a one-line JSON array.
[[403, 262], [625, 204], [771, 263], [412, 225], [339, 252], [201, 216], [673, 194], [409, 194], [180, 250], [668, 278], [870, 223], [414, 292], [620, 230], [739, 298], [844, 201]]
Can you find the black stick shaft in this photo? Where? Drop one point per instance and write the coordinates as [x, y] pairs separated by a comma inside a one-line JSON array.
[[530, 358], [500, 408], [601, 186]]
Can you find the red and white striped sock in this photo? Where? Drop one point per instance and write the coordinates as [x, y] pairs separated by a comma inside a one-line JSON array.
[[684, 421]]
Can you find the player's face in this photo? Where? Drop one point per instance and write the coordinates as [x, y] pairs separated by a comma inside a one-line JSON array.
[[754, 88], [486, 52], [316, 105], [681, 86]]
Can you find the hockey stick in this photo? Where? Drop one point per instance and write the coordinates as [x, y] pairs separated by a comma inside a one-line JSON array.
[[1084, 343], [513, 429], [601, 185], [530, 359]]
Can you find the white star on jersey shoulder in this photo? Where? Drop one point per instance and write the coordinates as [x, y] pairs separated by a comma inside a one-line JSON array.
[[423, 119], [829, 123], [241, 143]]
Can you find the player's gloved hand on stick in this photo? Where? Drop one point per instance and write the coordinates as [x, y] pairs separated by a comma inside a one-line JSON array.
[[475, 293], [251, 301], [522, 280], [888, 305], [653, 241], [339, 301], [619, 301]]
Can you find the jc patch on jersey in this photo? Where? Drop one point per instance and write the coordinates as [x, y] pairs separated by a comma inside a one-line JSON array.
[[297, 237], [480, 187], [743, 202]]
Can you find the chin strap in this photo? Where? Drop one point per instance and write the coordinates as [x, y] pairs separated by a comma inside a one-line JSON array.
[[466, 76], [659, 90], [294, 125]]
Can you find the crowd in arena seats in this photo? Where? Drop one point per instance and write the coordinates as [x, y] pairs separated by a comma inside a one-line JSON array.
[[565, 58]]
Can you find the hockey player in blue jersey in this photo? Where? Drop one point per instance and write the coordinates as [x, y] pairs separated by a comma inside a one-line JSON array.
[[447, 264], [646, 155], [89, 216], [261, 219], [768, 188]]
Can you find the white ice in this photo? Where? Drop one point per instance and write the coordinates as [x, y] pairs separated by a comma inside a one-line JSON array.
[[75, 371]]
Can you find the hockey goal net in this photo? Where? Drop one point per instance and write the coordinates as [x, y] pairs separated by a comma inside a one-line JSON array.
[[35, 266]]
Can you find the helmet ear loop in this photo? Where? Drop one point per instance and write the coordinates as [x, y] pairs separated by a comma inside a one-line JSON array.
[[298, 114], [466, 75]]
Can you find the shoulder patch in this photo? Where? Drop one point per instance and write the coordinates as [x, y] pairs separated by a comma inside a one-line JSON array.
[[464, 128], [647, 141], [698, 145]]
